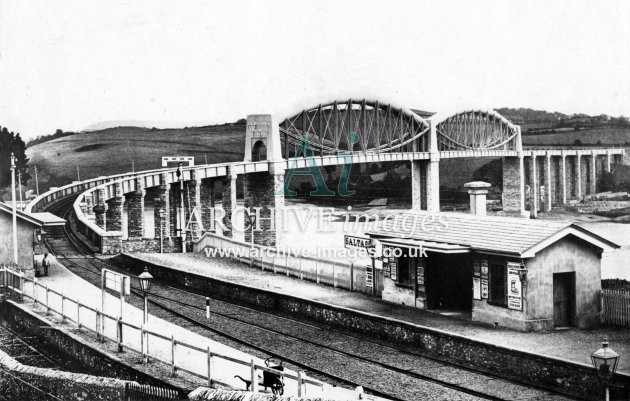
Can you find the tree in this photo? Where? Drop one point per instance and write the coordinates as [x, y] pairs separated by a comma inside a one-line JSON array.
[[11, 142]]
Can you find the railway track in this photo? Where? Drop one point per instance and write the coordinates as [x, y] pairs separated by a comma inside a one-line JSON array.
[[334, 356]]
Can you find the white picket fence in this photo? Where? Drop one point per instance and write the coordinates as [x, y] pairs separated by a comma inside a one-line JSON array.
[[616, 307], [150, 345]]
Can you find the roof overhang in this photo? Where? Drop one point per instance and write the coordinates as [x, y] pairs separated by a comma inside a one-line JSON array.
[[430, 246], [27, 217], [579, 232]]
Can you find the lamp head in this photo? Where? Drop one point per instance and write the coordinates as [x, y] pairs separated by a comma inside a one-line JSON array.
[[145, 280], [605, 361]]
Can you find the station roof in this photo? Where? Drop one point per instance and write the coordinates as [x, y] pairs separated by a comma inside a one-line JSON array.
[[49, 219], [510, 236], [37, 219]]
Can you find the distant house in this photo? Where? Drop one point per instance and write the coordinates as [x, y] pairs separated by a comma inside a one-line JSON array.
[[31, 229], [519, 273]]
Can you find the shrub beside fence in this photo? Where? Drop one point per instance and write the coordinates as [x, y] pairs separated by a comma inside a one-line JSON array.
[[616, 307]]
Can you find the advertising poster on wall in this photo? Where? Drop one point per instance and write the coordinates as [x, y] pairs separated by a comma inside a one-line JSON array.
[[484, 278], [393, 267], [476, 288], [515, 296], [476, 279]]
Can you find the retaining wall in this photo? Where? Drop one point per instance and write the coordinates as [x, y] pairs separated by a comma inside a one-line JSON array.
[[21, 382], [571, 378]]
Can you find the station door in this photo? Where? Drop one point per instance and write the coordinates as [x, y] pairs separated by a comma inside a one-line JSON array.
[[563, 299]]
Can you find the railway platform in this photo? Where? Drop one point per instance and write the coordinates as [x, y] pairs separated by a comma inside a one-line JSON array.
[[573, 345], [192, 343]]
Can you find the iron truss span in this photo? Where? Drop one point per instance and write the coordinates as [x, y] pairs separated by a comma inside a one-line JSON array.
[[477, 130], [340, 358], [355, 126]]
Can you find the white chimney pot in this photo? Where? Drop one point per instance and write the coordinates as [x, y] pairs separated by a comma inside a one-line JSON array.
[[477, 191]]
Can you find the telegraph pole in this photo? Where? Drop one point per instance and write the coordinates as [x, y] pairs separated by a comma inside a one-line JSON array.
[[78, 175], [36, 182], [182, 215], [15, 249], [133, 168], [20, 189]]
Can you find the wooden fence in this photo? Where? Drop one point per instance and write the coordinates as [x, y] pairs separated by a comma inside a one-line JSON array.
[[616, 307]]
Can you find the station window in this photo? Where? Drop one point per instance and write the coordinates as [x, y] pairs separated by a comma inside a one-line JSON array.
[[404, 276], [498, 283]]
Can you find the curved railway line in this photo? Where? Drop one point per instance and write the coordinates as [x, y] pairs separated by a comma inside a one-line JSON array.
[[337, 357]]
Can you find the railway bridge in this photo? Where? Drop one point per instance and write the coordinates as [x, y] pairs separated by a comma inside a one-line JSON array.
[[337, 133]]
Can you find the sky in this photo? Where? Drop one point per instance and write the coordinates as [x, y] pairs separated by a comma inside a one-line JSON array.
[[70, 64]]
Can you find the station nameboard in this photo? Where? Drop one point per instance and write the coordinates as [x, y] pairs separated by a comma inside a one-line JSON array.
[[350, 241]]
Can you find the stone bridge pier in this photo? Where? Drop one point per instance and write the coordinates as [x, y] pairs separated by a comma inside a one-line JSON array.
[[539, 180], [425, 177]]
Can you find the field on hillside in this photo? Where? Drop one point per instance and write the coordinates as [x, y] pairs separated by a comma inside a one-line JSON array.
[[604, 136], [111, 151]]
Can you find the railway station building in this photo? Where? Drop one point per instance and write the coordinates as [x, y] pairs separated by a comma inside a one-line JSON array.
[[524, 274], [31, 229]]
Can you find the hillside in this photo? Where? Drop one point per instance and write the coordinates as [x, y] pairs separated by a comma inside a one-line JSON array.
[[110, 151]]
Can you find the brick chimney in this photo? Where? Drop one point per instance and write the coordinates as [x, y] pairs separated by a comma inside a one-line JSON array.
[[477, 191]]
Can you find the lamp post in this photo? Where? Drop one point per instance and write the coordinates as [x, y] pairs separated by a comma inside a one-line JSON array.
[[145, 279], [252, 223], [145, 285], [605, 362], [162, 212]]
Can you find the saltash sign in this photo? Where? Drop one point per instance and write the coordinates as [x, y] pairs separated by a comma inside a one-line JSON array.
[[350, 241]]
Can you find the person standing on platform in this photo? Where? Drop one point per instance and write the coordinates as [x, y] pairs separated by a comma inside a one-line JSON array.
[[45, 264]]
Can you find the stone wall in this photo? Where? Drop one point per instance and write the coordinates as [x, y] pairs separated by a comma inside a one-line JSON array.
[[21, 382], [170, 245], [559, 375]]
